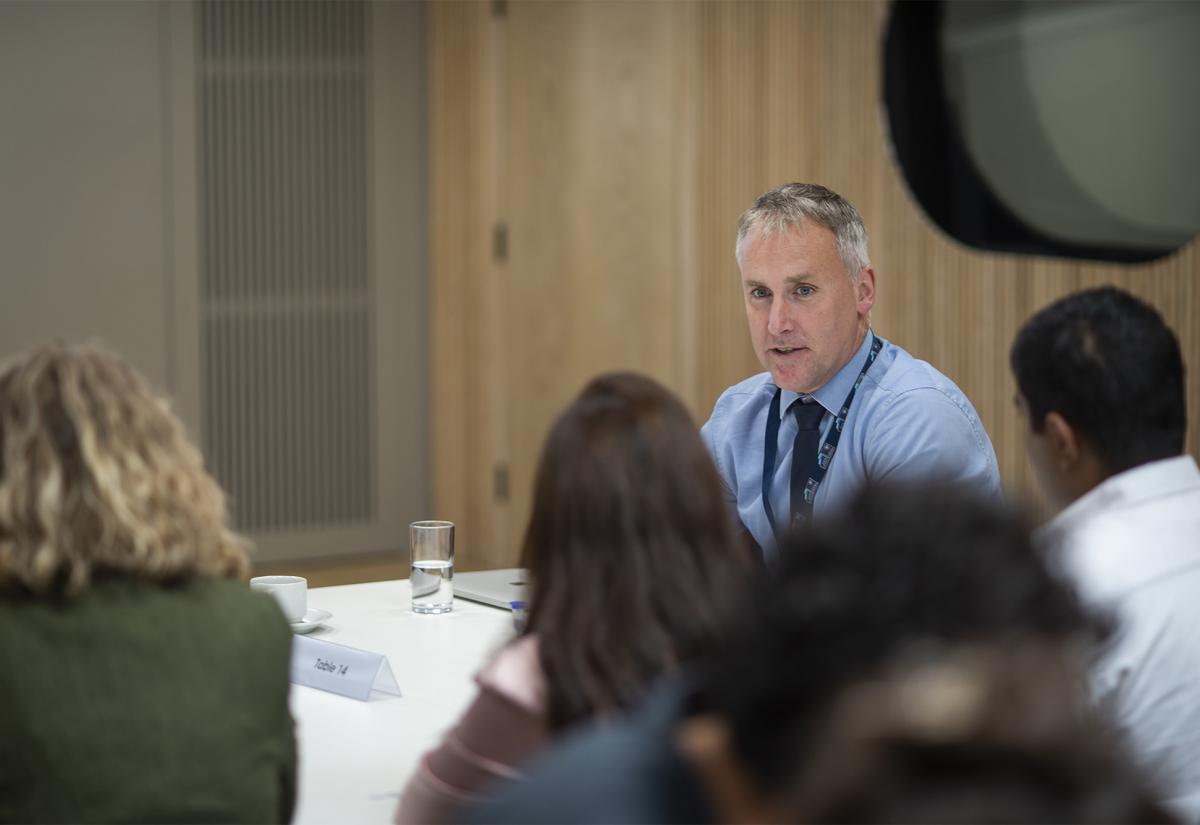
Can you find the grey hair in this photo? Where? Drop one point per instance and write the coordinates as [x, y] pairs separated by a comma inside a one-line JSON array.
[[791, 204]]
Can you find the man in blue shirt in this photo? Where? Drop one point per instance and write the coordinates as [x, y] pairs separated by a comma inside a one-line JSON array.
[[853, 407]]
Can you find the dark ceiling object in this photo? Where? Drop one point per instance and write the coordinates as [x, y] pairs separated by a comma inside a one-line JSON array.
[[933, 157]]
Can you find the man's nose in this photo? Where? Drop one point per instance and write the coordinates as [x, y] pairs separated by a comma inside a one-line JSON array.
[[779, 319]]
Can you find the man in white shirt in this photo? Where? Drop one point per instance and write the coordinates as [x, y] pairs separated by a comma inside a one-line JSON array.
[[1100, 377]]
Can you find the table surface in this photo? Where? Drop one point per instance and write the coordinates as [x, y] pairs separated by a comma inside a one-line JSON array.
[[356, 756]]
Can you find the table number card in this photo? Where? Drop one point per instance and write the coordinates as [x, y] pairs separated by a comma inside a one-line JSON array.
[[341, 669]]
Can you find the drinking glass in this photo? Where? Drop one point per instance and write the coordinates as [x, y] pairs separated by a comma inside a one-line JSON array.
[[432, 572]]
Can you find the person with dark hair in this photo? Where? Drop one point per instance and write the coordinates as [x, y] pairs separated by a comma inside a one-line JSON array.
[[975, 733], [838, 406], [634, 567], [902, 572], [1100, 378], [145, 681]]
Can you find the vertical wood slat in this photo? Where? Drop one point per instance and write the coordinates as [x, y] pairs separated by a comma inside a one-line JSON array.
[[463, 169], [686, 50]]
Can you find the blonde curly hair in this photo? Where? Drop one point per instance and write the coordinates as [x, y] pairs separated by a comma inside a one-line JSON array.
[[98, 476]]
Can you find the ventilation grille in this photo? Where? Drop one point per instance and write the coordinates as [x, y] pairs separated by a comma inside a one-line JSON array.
[[282, 91]]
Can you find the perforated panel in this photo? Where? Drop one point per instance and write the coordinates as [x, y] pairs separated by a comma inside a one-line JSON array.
[[285, 263]]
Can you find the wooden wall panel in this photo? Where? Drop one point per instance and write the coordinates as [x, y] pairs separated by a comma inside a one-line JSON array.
[[465, 394], [627, 140], [593, 282]]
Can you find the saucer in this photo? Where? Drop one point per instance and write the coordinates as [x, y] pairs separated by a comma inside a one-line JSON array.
[[311, 621]]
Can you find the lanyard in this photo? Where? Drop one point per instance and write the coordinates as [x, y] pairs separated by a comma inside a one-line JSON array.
[[824, 455]]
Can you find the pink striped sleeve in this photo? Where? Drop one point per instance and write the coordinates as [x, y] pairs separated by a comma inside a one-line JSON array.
[[504, 726]]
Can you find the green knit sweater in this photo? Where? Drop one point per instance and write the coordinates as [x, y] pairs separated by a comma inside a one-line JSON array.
[[140, 702]]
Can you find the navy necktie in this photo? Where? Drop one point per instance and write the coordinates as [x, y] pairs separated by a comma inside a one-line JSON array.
[[804, 452]]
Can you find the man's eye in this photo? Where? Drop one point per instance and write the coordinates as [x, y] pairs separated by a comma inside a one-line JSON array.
[[804, 291], [760, 292]]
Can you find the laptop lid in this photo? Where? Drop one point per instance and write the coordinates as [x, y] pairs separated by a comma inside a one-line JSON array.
[[494, 587]]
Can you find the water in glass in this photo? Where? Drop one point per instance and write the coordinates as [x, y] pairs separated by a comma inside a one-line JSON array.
[[432, 586]]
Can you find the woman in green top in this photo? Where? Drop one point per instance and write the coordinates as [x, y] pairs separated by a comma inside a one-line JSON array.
[[143, 680]]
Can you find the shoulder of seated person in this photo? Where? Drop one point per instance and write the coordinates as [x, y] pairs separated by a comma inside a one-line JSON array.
[[516, 674], [747, 388]]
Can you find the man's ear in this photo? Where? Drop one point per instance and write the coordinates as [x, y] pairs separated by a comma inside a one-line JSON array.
[[1063, 440], [864, 288]]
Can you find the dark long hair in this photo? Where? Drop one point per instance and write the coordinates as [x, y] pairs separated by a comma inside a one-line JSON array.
[[629, 546]]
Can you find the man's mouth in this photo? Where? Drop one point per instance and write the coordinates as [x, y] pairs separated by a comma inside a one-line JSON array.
[[785, 350]]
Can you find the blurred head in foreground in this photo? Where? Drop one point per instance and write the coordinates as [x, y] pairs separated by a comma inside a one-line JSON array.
[[989, 733], [912, 659], [630, 550], [98, 478]]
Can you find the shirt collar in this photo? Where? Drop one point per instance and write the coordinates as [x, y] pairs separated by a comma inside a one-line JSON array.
[[834, 391], [1146, 481]]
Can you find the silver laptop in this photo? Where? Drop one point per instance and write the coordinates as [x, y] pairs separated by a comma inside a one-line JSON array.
[[494, 587]]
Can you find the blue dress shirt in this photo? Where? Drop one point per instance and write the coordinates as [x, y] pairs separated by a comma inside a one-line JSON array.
[[908, 421]]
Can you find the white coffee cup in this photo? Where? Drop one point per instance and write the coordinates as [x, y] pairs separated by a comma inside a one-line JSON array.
[[290, 591]]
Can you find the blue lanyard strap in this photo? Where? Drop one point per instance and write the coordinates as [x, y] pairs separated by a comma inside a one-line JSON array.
[[803, 510]]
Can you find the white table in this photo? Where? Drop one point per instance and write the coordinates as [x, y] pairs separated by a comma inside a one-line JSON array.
[[356, 756]]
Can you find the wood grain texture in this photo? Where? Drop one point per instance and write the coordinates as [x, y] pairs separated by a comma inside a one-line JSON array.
[[630, 139], [465, 396], [593, 282]]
